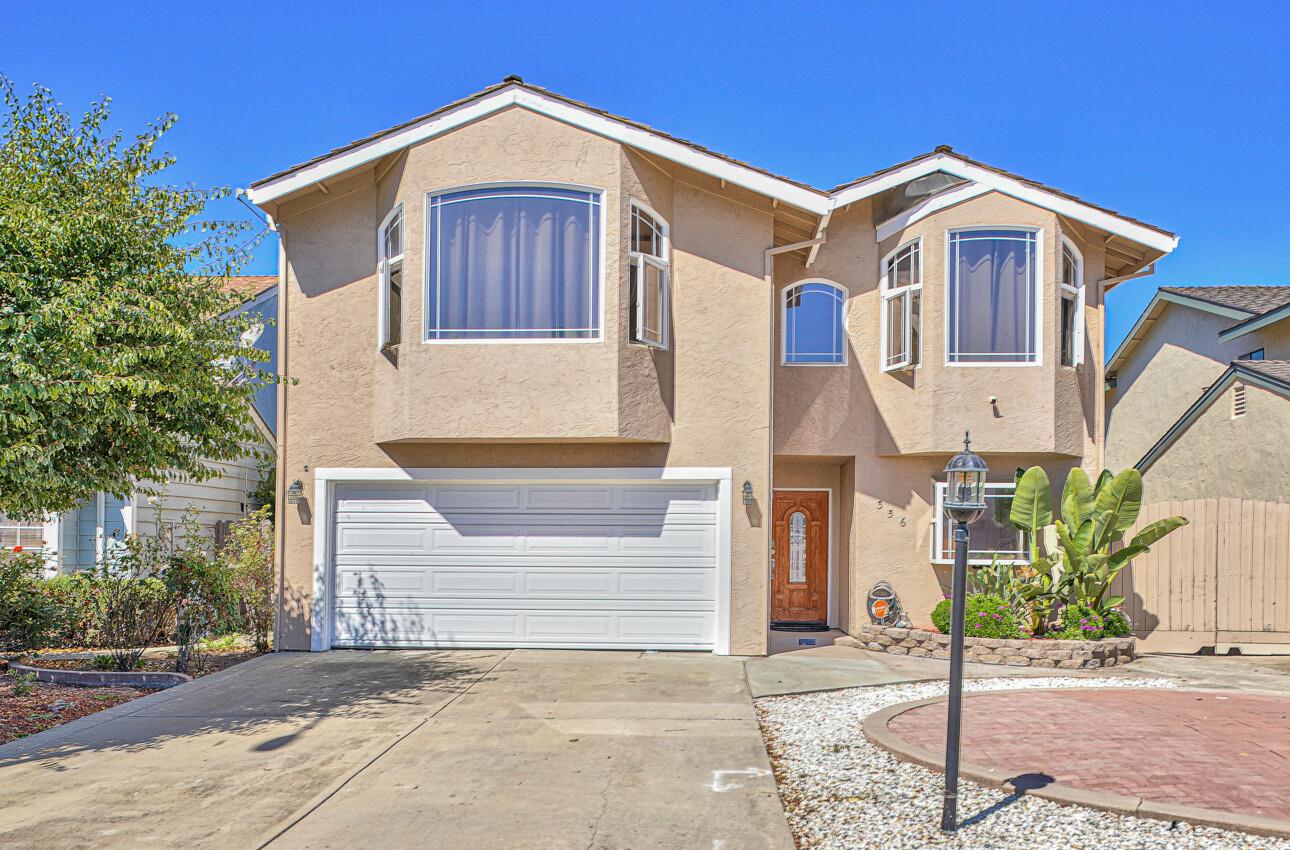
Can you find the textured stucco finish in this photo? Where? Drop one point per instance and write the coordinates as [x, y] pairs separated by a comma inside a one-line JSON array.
[[1219, 456], [1165, 373]]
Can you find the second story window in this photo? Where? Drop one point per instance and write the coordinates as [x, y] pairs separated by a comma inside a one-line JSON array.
[[994, 297], [389, 243], [648, 267], [513, 263], [902, 302], [1072, 306], [813, 329]]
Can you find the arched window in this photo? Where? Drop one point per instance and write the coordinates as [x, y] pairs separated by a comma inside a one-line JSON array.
[[813, 329], [648, 271], [389, 268]]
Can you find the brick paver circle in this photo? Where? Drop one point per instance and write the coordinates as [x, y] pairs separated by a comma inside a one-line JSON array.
[[1225, 751]]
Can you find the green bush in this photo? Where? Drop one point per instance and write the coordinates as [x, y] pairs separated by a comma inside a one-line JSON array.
[[249, 557], [988, 616], [1117, 624], [73, 598], [26, 616], [1081, 622]]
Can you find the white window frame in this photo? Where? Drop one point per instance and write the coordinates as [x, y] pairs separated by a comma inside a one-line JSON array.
[[1038, 297], [1076, 295], [427, 273], [912, 359], [639, 260], [843, 340], [384, 266], [938, 528]]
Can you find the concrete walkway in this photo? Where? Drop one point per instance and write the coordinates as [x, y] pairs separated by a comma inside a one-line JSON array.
[[533, 749]]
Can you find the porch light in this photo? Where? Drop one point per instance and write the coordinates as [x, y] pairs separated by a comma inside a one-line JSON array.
[[748, 493], [295, 492], [964, 503]]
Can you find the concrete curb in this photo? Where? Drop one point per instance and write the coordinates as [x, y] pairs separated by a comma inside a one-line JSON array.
[[102, 678], [877, 730]]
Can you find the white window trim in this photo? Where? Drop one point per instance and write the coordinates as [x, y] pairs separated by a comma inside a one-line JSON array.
[[1039, 297], [663, 263], [383, 265], [844, 295], [889, 294], [1075, 293], [511, 184], [938, 528]]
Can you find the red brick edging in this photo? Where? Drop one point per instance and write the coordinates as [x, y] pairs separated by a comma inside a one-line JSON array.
[[1057, 654], [878, 732]]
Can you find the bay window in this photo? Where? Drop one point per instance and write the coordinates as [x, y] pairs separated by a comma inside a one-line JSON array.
[[1072, 305], [814, 333], [994, 300], [902, 294], [513, 263], [992, 534], [389, 246], [647, 271]]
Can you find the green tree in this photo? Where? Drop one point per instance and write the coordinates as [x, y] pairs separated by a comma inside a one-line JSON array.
[[119, 360]]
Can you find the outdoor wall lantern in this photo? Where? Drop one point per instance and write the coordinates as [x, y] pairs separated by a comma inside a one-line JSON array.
[[295, 492], [964, 503], [748, 494]]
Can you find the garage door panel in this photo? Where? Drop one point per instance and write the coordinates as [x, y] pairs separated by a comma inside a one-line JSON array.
[[526, 565]]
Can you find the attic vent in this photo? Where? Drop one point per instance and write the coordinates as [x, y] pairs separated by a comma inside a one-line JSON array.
[[1238, 400]]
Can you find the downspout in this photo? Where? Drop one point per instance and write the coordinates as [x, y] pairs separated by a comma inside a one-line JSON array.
[[1102, 286], [280, 440]]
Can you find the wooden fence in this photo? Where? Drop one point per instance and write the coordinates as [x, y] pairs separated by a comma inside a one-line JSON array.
[[1222, 579]]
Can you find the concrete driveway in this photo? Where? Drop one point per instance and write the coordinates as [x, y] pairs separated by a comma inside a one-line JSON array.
[[533, 749]]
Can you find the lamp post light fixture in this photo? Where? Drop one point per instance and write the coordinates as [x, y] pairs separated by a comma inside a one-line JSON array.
[[964, 503]]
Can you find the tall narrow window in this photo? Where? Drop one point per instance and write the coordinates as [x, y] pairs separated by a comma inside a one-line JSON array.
[[994, 297], [813, 330], [902, 296], [797, 547], [390, 274], [1072, 306], [512, 263], [648, 267]]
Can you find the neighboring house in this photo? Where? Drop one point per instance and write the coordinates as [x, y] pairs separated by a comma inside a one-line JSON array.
[[563, 380], [78, 539], [1198, 399]]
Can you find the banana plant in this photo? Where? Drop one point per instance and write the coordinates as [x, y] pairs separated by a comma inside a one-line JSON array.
[[1079, 565]]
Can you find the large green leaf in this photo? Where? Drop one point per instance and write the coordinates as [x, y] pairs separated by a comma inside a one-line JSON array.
[[1104, 530], [1084, 537], [1103, 478], [1157, 530], [1077, 498], [1126, 554], [1123, 496], [1032, 507]]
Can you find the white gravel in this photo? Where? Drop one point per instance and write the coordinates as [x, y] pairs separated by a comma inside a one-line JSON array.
[[840, 791]]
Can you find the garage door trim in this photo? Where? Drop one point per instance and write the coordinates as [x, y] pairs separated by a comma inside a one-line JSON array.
[[325, 479]]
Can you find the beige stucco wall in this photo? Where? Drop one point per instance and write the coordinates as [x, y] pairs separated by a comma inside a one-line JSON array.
[[1167, 371], [535, 404], [1220, 456]]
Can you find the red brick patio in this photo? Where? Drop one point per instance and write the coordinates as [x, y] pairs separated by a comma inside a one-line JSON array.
[[1227, 751]]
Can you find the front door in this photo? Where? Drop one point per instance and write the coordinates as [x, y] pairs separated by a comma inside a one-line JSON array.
[[800, 578]]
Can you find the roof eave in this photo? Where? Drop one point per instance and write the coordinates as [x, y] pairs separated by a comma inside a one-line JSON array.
[[1254, 323]]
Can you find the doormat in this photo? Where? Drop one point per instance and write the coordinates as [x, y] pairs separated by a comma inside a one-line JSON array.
[[816, 626]]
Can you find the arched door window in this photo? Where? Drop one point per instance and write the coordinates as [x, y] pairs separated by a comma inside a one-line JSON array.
[[797, 547]]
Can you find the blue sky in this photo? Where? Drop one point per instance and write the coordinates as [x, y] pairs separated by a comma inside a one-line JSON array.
[[1175, 113]]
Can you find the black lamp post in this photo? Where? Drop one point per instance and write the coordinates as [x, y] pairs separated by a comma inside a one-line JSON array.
[[964, 503]]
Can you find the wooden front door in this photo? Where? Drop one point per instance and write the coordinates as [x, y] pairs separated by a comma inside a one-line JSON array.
[[800, 579]]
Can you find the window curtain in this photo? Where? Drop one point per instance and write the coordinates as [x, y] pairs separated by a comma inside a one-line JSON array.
[[519, 264], [994, 292]]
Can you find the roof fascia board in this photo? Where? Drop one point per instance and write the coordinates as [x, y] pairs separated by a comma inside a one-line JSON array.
[[1255, 323], [1015, 188], [927, 207], [1132, 340], [1202, 404], [807, 199]]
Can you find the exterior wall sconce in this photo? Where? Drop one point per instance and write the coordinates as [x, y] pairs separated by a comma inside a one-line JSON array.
[[295, 492], [748, 493]]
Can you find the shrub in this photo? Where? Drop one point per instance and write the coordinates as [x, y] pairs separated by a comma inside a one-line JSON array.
[[73, 598], [26, 615], [987, 616], [201, 590], [1117, 623], [249, 556], [1081, 622]]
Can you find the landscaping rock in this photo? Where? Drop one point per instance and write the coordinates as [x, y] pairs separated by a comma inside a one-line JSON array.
[[1065, 654]]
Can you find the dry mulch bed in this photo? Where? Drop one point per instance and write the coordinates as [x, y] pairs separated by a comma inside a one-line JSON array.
[[48, 705]]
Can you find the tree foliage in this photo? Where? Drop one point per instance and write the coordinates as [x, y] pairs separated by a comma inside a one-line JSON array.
[[119, 360]]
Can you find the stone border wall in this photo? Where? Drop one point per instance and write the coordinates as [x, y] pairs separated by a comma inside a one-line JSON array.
[[1059, 654], [102, 678]]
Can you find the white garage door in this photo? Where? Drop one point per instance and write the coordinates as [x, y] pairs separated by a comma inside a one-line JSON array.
[[539, 565]]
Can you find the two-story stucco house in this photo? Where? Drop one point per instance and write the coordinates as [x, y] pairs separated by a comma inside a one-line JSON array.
[[564, 380]]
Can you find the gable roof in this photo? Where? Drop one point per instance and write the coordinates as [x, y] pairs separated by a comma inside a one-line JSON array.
[[514, 92], [251, 285], [1273, 375], [1251, 307]]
